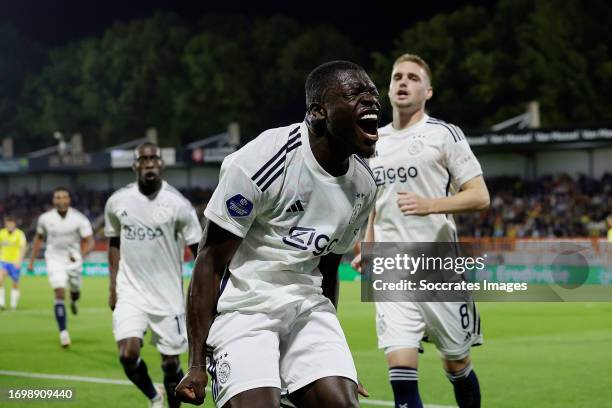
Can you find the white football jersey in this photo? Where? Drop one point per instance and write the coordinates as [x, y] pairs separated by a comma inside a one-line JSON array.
[[63, 236], [153, 233], [290, 212], [430, 158]]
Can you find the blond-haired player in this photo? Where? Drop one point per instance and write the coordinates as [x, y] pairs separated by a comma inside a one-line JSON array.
[[425, 172]]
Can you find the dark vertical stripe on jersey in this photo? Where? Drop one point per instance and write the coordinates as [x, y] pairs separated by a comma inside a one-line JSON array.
[[448, 183], [212, 370], [436, 122], [295, 146], [278, 158], [451, 128], [457, 131], [474, 317], [274, 177], [299, 205], [277, 155], [478, 324], [224, 280], [280, 163], [366, 165]]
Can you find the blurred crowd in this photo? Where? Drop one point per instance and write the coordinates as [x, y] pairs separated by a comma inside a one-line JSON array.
[[559, 206]]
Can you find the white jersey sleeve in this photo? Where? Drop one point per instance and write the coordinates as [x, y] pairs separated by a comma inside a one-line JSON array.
[[41, 228], [112, 226], [460, 159], [85, 229], [188, 224], [236, 200]]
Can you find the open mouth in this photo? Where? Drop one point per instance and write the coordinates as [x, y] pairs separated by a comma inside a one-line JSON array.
[[368, 123], [402, 93]]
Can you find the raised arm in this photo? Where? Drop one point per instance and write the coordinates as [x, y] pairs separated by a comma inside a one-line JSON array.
[[214, 254]]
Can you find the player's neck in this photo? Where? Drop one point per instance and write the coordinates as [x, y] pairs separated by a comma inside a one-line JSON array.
[[405, 119], [63, 213], [326, 156], [150, 189]]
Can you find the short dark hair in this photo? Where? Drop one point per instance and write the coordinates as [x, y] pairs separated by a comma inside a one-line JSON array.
[[145, 144], [61, 188], [9, 217], [323, 76]]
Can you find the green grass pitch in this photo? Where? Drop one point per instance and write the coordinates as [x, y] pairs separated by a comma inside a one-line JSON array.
[[535, 354]]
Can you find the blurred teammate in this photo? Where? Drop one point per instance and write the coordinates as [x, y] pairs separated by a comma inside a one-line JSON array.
[[148, 224], [425, 171], [12, 249], [69, 238], [287, 206]]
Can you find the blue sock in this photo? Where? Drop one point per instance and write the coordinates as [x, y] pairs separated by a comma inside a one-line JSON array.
[[139, 375], [60, 314], [405, 384], [467, 388]]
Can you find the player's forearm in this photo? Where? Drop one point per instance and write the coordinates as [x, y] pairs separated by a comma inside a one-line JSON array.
[[114, 255], [464, 201], [87, 245], [202, 297], [35, 248]]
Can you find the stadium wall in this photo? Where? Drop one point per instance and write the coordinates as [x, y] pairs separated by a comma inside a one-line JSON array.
[[512, 164], [203, 177], [602, 162], [592, 162], [572, 162]]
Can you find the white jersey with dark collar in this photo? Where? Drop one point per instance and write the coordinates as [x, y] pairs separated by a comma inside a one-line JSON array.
[[430, 158], [153, 234], [289, 211]]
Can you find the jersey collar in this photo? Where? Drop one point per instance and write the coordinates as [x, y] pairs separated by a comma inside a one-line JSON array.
[[410, 129], [314, 165]]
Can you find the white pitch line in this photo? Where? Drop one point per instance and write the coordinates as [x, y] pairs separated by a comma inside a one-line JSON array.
[[126, 382], [49, 311]]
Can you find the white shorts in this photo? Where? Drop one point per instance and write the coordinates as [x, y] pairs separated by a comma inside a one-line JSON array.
[[64, 274], [168, 333], [453, 327], [287, 351]]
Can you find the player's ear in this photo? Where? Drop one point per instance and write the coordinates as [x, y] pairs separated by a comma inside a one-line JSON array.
[[428, 93], [315, 117], [317, 111]]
